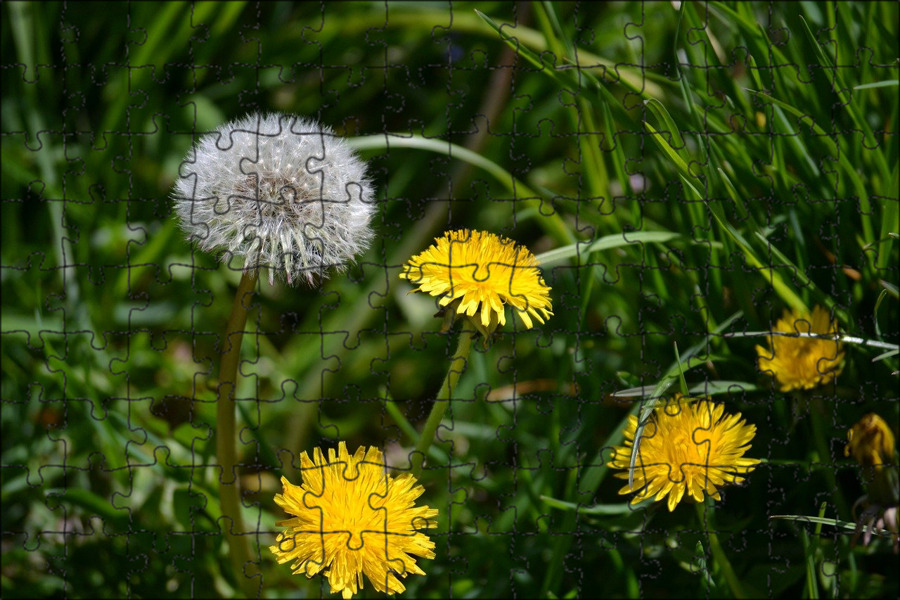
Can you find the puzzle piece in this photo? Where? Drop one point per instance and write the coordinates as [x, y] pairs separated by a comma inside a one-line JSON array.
[[520, 232]]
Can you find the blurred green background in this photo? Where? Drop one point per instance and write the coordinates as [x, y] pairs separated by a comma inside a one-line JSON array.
[[775, 174]]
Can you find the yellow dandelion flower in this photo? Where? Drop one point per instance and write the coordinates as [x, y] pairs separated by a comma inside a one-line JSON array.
[[481, 272], [351, 517], [687, 447], [800, 362]]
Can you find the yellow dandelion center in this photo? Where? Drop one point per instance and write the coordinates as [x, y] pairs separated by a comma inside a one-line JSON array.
[[799, 362], [483, 272], [351, 518], [688, 447]]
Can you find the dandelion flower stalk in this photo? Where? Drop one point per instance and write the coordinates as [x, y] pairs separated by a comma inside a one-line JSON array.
[[703, 513], [822, 440], [475, 275], [457, 366], [229, 490]]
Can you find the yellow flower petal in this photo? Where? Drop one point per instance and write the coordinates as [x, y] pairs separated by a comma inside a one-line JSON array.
[[800, 362], [352, 518], [690, 447], [487, 272]]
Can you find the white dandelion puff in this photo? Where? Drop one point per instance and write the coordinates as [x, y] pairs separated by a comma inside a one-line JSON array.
[[280, 191]]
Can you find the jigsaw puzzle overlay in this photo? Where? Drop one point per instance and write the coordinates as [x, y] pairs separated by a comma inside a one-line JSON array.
[[449, 299]]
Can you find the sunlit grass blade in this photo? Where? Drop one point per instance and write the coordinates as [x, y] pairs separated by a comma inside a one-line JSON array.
[[609, 242], [597, 509], [634, 81], [774, 278], [713, 387], [844, 526], [554, 223], [681, 380], [660, 140], [846, 339], [833, 147], [877, 84]]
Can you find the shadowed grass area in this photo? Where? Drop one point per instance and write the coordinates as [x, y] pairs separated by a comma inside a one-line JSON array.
[[683, 174]]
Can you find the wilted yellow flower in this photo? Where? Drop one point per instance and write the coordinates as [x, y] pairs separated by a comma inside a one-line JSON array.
[[688, 446], [351, 517], [478, 273], [871, 443], [802, 362]]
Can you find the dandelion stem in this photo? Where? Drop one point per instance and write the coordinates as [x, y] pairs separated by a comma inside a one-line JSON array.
[[718, 554], [229, 490], [457, 366], [823, 448]]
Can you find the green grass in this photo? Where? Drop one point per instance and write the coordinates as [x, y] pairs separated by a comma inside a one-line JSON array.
[[751, 165]]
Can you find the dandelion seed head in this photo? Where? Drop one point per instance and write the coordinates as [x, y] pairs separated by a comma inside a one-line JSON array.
[[282, 192]]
